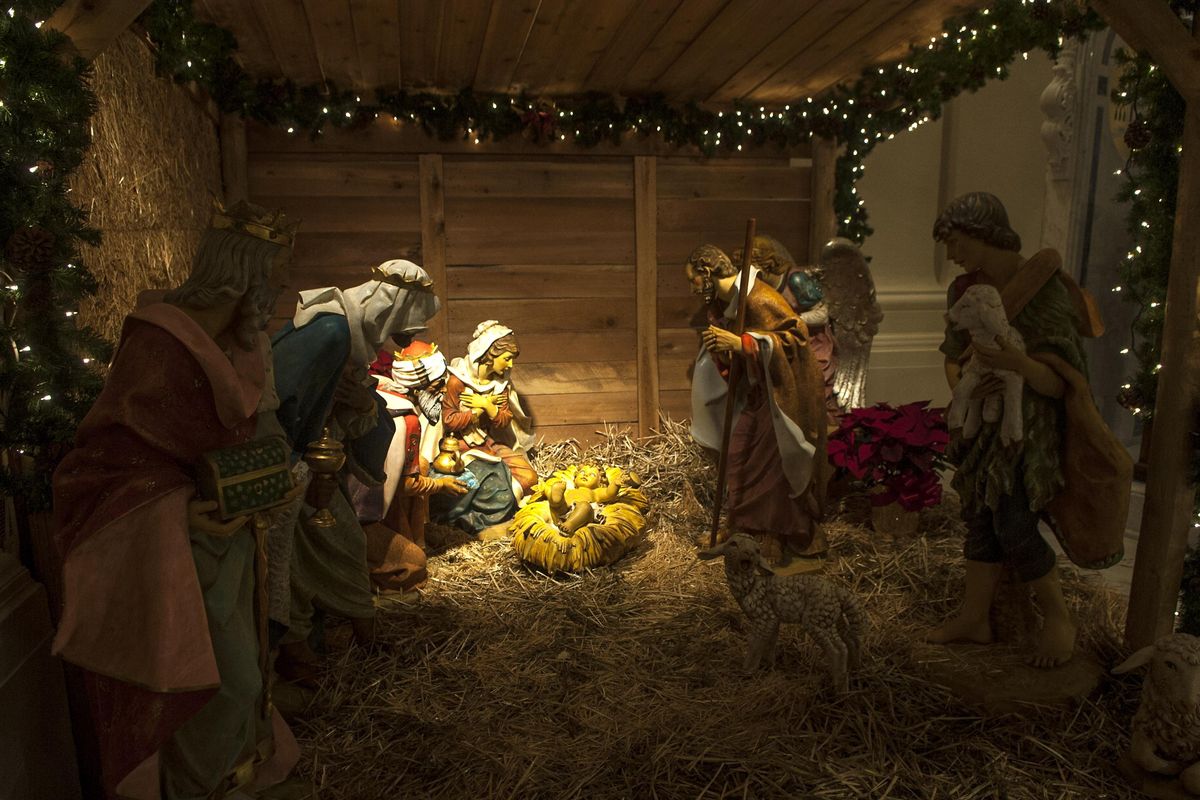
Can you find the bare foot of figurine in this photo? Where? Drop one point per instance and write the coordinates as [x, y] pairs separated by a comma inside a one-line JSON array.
[[960, 628], [1055, 643], [973, 622]]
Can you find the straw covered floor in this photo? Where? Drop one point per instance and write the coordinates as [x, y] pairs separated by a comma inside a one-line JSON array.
[[626, 682]]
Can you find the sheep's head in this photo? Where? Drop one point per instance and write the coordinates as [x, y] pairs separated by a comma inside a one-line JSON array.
[[740, 550], [1174, 669], [979, 308]]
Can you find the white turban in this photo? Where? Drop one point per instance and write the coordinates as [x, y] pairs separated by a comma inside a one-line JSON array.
[[486, 334], [418, 372], [400, 300]]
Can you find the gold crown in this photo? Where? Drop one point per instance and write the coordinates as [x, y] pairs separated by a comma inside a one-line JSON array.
[[398, 355], [256, 221]]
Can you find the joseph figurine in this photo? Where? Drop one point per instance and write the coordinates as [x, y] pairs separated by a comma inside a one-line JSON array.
[[777, 462]]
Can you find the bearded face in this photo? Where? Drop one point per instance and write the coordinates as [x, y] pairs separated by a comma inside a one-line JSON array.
[[703, 266], [429, 400]]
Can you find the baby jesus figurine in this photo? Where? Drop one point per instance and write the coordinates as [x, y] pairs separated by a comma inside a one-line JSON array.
[[575, 507]]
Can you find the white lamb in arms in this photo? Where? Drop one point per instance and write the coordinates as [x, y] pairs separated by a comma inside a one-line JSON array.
[[980, 312]]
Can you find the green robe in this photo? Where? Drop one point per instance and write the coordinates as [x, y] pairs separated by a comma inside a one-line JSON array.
[[986, 469]]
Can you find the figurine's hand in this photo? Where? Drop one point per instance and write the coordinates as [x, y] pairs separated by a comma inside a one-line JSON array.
[[718, 340], [472, 401], [451, 486], [1003, 357], [200, 518], [615, 475]]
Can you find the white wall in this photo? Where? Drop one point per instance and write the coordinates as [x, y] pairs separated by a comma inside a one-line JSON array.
[[987, 141]]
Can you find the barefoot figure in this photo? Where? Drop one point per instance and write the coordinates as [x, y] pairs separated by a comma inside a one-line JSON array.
[[1007, 482]]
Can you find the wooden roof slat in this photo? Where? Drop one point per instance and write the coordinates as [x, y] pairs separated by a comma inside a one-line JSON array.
[[540, 55], [333, 31], [285, 24], [820, 17], [688, 20], [731, 40], [593, 29], [913, 26], [420, 42], [377, 36], [717, 51], [635, 34], [791, 81], [507, 30], [463, 28], [254, 49]]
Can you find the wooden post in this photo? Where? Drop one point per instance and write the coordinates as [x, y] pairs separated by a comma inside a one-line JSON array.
[[1170, 494], [234, 176], [822, 221], [433, 238], [94, 24], [645, 209]]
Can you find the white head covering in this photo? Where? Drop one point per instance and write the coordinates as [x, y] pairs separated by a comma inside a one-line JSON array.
[[418, 372], [487, 333], [399, 300]]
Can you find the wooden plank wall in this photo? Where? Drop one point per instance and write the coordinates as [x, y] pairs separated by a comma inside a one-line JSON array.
[[547, 244]]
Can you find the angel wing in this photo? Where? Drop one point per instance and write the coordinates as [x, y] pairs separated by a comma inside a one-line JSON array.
[[850, 295]]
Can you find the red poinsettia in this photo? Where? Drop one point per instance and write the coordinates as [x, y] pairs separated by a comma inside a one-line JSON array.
[[900, 449]]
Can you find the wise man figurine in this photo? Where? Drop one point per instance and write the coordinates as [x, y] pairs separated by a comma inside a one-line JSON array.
[[159, 590]]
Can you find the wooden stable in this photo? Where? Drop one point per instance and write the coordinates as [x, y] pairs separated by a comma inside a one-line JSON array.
[[579, 250]]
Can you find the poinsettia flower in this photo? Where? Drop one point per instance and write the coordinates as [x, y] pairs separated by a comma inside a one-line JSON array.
[[892, 451]]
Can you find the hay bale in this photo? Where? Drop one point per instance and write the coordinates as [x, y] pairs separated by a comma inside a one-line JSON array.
[[625, 682], [146, 182]]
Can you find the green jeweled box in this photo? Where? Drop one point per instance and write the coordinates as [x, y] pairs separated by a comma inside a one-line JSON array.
[[247, 477]]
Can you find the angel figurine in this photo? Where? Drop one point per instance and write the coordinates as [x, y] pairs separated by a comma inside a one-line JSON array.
[[849, 292]]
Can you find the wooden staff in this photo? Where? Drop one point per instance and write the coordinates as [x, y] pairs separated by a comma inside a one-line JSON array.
[[735, 375]]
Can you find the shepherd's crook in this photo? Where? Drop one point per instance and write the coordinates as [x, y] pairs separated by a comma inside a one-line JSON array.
[[735, 375]]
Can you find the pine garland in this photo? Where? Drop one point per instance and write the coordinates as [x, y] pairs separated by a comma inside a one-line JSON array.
[[48, 375], [974, 49]]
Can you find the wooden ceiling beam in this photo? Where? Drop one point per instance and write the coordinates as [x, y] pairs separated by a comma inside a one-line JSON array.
[[1153, 29], [684, 25], [94, 24]]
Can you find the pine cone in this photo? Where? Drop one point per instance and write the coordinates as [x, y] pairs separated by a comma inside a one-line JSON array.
[[30, 248], [1138, 134]]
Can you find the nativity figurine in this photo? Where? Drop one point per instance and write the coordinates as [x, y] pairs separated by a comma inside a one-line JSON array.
[[1007, 480], [321, 361], [160, 585], [829, 613], [777, 462], [482, 410], [580, 518]]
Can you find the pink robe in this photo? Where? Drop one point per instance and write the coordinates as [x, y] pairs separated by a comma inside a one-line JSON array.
[[134, 615]]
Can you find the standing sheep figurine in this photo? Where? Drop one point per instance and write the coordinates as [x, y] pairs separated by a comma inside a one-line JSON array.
[[828, 612], [1166, 727]]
